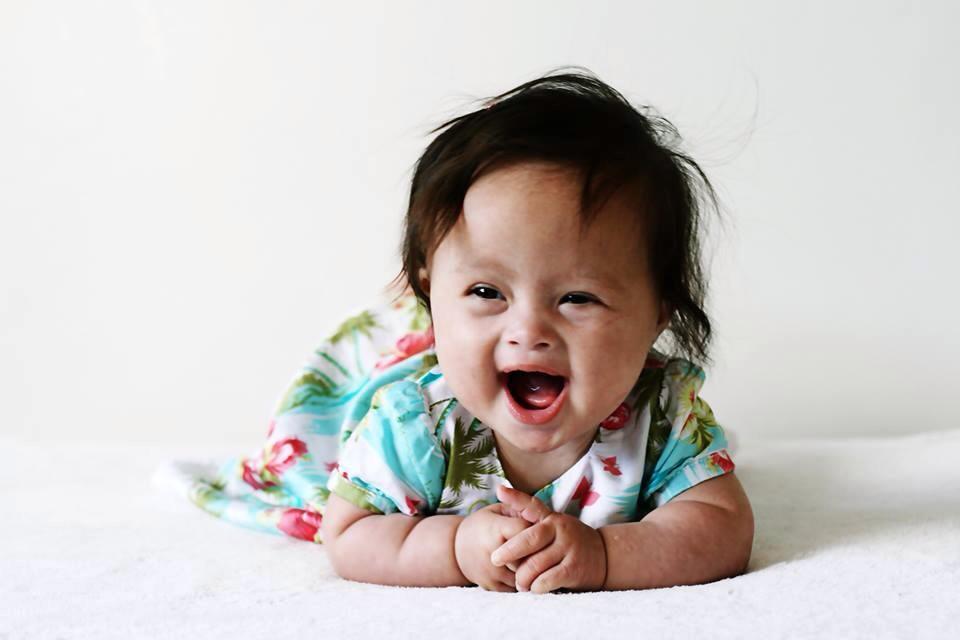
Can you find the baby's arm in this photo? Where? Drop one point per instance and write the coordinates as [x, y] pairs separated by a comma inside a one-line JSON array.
[[701, 535], [394, 549]]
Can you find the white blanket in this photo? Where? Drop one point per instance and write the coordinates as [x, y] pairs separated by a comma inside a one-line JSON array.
[[856, 538]]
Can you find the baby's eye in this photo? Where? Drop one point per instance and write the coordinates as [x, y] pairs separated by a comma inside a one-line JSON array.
[[487, 293], [578, 298]]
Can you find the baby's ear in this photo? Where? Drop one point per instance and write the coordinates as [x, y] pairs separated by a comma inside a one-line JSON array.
[[423, 279], [663, 319]]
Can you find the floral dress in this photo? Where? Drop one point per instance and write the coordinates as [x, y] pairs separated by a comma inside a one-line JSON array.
[[371, 418]]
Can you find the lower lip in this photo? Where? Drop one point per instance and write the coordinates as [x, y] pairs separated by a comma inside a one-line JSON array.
[[535, 416]]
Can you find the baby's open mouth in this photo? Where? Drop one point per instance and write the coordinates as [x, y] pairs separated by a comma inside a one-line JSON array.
[[534, 389]]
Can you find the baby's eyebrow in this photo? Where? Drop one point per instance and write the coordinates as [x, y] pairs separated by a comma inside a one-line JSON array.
[[482, 264], [605, 281], [601, 279]]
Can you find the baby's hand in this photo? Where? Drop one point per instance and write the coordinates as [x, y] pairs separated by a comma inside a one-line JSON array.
[[571, 554], [477, 536]]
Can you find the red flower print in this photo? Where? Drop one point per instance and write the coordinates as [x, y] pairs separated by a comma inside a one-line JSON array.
[[344, 474], [284, 453], [251, 476], [415, 342], [617, 419], [413, 505], [584, 494], [388, 361], [298, 523], [722, 460], [331, 466], [610, 466], [273, 423], [408, 345]]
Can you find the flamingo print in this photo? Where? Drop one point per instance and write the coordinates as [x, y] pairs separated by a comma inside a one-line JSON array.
[[583, 494], [610, 466]]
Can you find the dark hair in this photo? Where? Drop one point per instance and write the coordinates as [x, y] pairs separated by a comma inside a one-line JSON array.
[[578, 121]]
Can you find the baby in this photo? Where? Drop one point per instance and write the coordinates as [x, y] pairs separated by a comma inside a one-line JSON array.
[[522, 434]]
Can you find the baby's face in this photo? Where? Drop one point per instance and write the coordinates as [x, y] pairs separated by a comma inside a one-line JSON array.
[[515, 287]]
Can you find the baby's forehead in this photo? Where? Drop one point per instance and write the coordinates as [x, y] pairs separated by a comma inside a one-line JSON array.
[[533, 213], [570, 187]]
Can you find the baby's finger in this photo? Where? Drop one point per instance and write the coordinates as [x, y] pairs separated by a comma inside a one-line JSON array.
[[510, 527], [518, 565], [552, 579], [523, 544], [507, 577], [507, 511], [522, 505], [499, 586], [545, 562]]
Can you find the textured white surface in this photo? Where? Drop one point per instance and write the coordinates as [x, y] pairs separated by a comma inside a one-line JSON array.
[[855, 538]]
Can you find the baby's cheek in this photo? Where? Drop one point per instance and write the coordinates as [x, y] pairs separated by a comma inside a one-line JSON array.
[[606, 389], [590, 401], [472, 380]]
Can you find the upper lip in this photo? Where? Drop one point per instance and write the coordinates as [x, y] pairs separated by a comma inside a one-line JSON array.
[[533, 367]]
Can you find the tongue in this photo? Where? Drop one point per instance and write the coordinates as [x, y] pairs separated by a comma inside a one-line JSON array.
[[535, 390]]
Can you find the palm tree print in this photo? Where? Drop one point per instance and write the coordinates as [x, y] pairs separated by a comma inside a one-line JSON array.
[[208, 495], [362, 323], [468, 452], [311, 388], [429, 362], [697, 432], [479, 504], [648, 387]]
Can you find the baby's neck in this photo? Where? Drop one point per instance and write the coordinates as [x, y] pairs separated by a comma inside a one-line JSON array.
[[531, 472]]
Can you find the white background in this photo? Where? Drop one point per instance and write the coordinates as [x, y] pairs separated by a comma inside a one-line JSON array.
[[193, 193]]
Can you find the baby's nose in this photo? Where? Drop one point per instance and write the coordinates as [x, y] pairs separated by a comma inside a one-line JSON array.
[[531, 332], [530, 343]]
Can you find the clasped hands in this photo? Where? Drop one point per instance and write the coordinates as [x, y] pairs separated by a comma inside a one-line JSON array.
[[520, 544]]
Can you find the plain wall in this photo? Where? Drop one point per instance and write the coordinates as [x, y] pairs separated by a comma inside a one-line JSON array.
[[193, 193]]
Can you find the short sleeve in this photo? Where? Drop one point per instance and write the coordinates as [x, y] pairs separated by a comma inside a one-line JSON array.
[[392, 462], [686, 446]]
